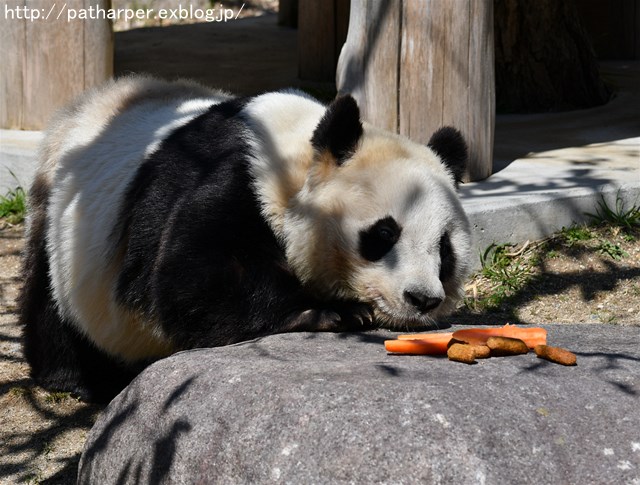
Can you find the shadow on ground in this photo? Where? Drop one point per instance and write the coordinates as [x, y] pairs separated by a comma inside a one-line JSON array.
[[43, 439], [574, 279]]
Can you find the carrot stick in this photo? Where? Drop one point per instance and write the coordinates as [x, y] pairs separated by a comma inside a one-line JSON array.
[[420, 344], [417, 346], [532, 336], [429, 337], [437, 343]]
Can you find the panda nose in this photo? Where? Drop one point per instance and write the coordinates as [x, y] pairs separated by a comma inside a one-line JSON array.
[[423, 303]]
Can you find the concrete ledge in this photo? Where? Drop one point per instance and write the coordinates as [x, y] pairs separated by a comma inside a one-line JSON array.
[[18, 152], [336, 408], [537, 195]]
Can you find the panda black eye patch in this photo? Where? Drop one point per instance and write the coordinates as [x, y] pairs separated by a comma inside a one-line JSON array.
[[378, 239], [447, 258]]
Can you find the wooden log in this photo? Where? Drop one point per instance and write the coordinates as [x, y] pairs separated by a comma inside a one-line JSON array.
[[288, 13], [98, 48], [316, 30], [417, 65], [342, 28], [482, 91], [321, 33], [13, 67], [368, 63], [46, 62], [636, 31]]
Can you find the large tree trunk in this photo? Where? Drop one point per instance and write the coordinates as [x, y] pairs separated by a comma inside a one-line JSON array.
[[544, 60], [417, 65], [45, 62]]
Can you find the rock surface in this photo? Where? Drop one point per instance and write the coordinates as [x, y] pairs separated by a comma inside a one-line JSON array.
[[336, 408]]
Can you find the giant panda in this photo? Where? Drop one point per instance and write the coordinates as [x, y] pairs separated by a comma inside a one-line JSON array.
[[167, 216]]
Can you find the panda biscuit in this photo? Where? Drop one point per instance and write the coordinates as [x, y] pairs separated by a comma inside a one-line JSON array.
[[167, 216]]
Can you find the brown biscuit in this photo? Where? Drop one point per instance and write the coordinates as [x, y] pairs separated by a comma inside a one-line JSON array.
[[462, 353], [503, 346], [481, 351], [555, 354]]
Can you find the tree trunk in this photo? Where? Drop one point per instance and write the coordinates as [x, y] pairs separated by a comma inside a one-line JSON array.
[[46, 62], [322, 29], [544, 60], [417, 65]]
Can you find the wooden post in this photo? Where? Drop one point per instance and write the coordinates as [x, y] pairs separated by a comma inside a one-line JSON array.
[[368, 63], [321, 33], [46, 62], [288, 13], [417, 65]]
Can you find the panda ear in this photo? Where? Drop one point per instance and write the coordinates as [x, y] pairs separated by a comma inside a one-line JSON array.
[[339, 130], [449, 145]]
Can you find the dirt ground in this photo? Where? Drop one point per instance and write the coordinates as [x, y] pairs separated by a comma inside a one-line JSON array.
[[587, 275], [42, 434]]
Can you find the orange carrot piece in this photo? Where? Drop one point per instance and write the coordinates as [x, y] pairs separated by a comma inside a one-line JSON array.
[[532, 336], [416, 346], [420, 344], [429, 337]]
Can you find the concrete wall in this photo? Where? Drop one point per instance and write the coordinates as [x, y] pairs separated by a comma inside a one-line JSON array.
[[17, 158]]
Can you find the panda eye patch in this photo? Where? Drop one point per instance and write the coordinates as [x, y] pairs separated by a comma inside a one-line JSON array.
[[378, 239], [447, 258]]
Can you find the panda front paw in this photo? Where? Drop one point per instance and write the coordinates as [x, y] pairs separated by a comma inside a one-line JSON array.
[[340, 317], [355, 315]]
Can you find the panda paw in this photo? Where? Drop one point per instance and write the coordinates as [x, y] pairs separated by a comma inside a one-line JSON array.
[[355, 315], [347, 316]]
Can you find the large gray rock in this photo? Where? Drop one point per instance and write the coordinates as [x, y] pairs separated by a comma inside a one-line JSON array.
[[336, 408]]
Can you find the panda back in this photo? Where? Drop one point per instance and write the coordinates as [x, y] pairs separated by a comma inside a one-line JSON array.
[[103, 187]]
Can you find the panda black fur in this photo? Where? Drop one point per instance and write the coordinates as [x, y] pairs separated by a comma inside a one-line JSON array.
[[166, 216]]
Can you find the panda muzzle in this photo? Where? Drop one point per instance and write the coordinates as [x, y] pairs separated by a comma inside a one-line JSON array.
[[422, 302]]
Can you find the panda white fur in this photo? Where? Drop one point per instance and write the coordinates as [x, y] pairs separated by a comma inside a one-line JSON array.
[[166, 216]]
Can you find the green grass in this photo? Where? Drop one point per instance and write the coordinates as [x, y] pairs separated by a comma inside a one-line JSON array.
[[507, 269], [626, 218], [575, 234], [18, 391], [57, 397], [13, 206], [613, 250], [499, 265]]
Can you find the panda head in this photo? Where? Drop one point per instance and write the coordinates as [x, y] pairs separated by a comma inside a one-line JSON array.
[[378, 219]]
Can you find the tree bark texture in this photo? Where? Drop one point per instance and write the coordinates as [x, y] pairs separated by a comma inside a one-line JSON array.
[[46, 62], [417, 65]]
